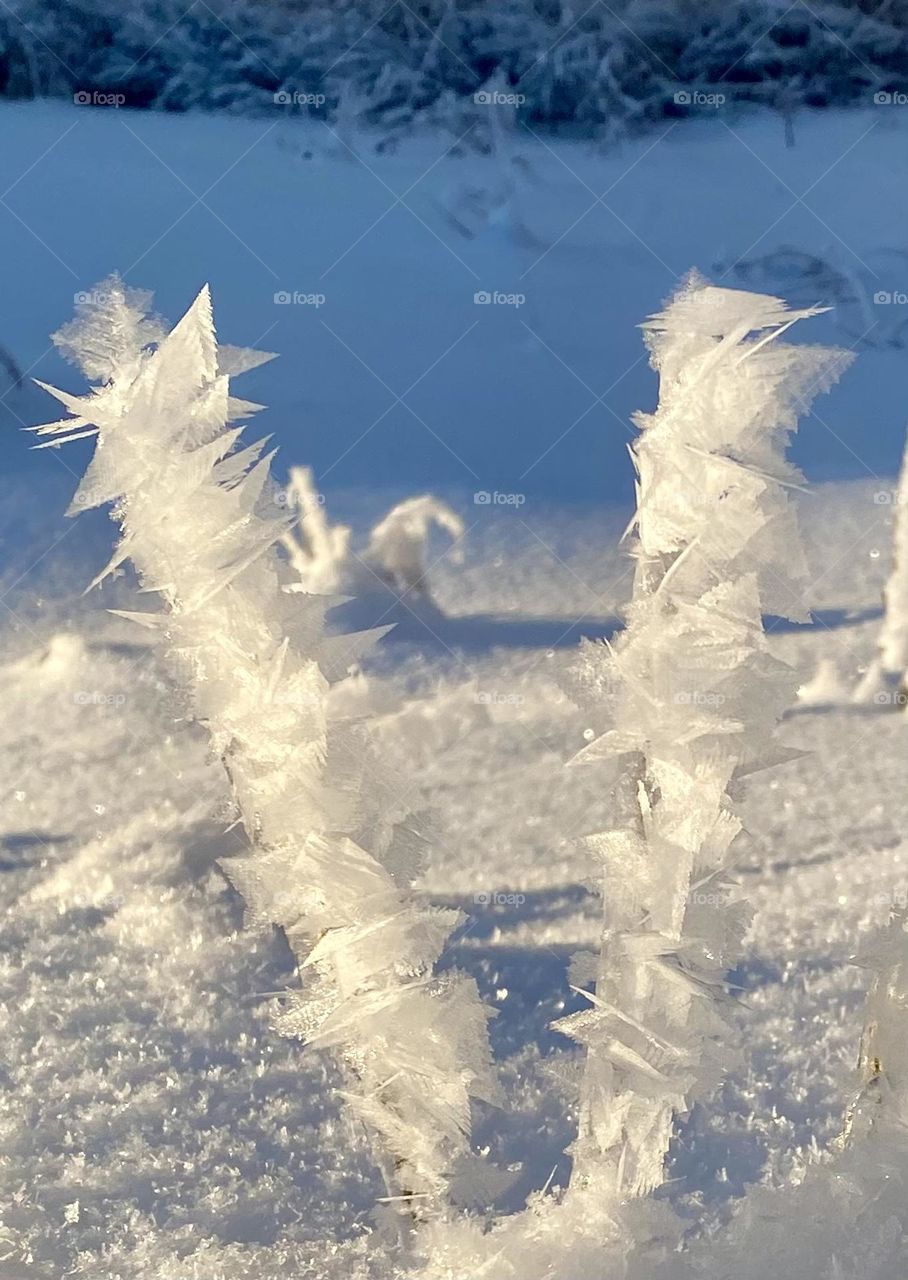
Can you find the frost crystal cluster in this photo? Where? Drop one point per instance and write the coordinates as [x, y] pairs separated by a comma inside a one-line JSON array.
[[694, 697], [886, 678], [395, 558], [332, 853], [879, 1113]]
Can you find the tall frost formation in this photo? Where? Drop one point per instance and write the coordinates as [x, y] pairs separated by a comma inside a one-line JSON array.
[[331, 850], [693, 695], [886, 678]]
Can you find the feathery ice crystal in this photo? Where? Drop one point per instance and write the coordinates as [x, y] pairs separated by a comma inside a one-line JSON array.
[[332, 852], [886, 678], [395, 558], [694, 696]]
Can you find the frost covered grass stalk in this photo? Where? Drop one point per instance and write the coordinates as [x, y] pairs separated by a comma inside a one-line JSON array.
[[397, 552], [881, 1107], [394, 558], [842, 1215], [317, 550], [695, 696], [886, 678], [332, 850]]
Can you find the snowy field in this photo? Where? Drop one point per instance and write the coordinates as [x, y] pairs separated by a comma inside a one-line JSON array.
[[153, 1125], [533, 399]]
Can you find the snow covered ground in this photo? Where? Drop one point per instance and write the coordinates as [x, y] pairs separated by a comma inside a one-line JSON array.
[[149, 1111], [152, 1125]]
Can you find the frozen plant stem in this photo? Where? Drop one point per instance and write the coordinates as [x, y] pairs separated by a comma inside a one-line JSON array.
[[332, 850], [880, 1109], [695, 696], [317, 550], [395, 557], [886, 679]]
